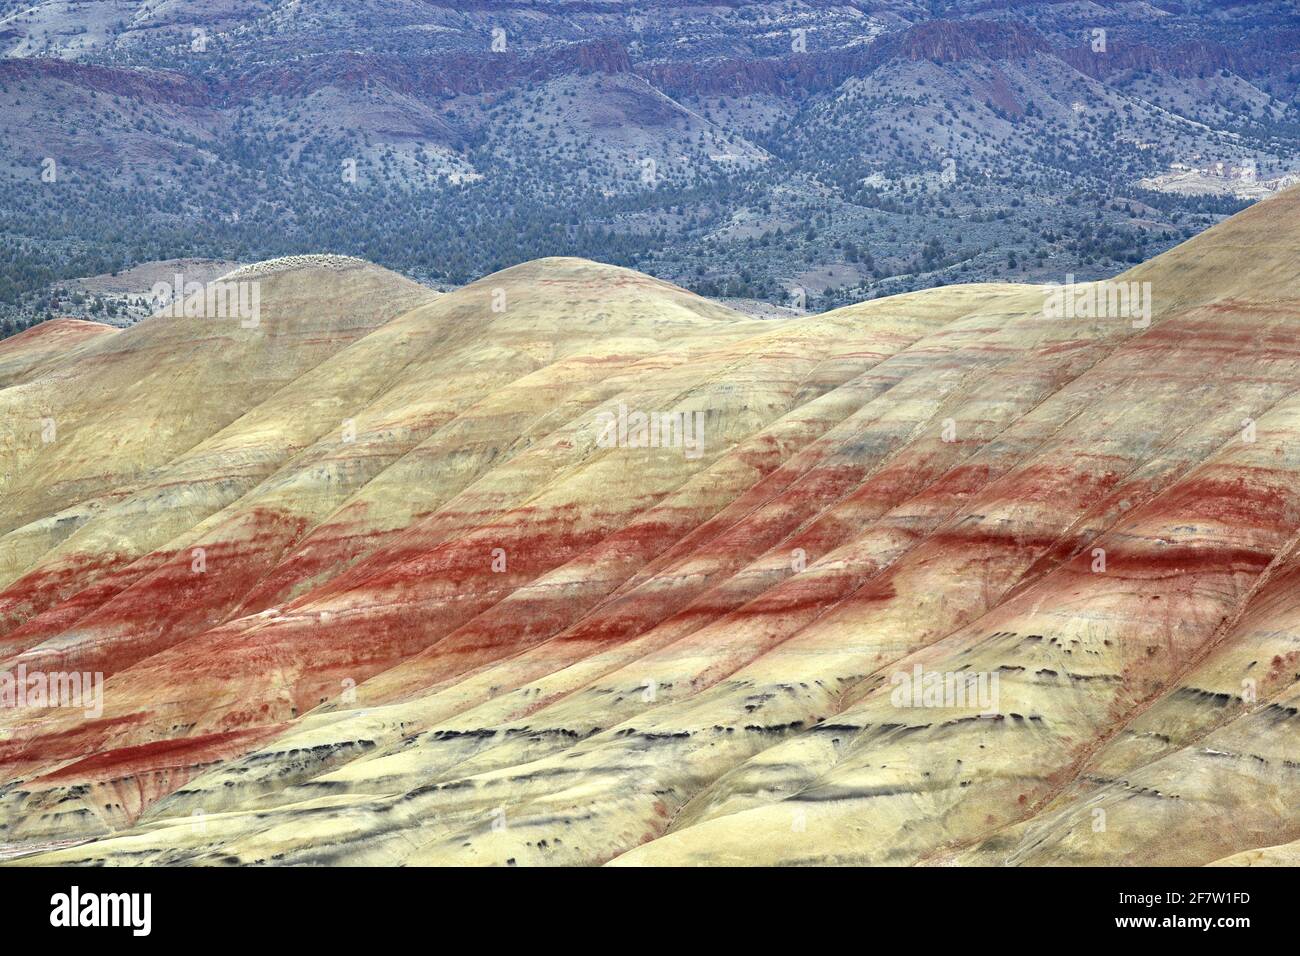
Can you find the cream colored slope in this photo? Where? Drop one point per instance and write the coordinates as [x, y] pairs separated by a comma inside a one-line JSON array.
[[1232, 790], [486, 510], [1187, 768], [1254, 660], [299, 456], [619, 331], [1285, 855], [135, 375], [779, 352], [116, 634], [314, 440], [966, 783], [927, 370], [134, 401], [52, 341], [463, 344], [248, 690], [748, 840], [767, 737], [1252, 256], [771, 345], [380, 387], [788, 433], [814, 662]]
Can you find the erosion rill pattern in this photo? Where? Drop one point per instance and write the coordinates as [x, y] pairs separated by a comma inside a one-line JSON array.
[[367, 584]]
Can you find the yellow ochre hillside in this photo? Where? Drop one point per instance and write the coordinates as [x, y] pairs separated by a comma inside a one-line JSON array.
[[573, 566]]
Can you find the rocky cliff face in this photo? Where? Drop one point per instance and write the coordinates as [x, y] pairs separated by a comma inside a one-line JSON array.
[[951, 41], [148, 86], [573, 566], [1278, 50], [432, 75], [937, 41]]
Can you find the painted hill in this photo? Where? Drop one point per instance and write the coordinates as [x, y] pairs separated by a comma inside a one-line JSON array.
[[394, 577]]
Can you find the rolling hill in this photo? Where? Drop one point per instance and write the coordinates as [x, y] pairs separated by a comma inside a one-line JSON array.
[[573, 566]]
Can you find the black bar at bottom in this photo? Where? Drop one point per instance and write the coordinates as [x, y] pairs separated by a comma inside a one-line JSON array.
[[335, 906]]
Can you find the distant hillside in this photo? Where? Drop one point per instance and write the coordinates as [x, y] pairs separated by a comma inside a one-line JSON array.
[[811, 154]]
